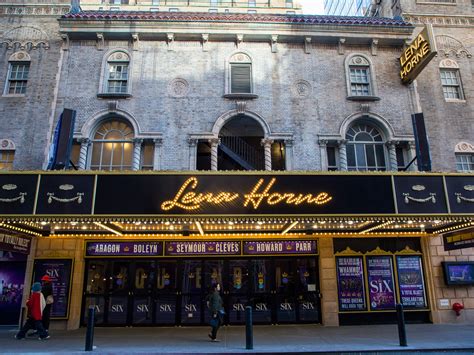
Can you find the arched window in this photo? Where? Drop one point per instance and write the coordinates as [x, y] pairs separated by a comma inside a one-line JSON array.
[[18, 71], [117, 73], [359, 76], [365, 148], [112, 146], [240, 74]]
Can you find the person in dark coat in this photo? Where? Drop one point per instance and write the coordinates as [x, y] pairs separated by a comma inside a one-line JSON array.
[[216, 310], [35, 305]]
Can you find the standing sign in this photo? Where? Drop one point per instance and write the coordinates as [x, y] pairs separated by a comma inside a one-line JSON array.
[[60, 272], [410, 281], [350, 282], [381, 282]]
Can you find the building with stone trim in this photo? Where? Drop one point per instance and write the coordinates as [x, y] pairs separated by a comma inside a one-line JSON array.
[[172, 95]]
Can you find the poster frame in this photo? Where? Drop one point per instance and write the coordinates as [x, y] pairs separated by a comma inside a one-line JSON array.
[[71, 273], [351, 253], [412, 253]]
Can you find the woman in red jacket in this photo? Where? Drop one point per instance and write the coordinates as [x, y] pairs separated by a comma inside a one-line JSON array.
[[35, 304]]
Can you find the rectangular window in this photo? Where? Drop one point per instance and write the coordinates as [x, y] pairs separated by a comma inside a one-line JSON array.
[[18, 78], [240, 76], [332, 161], [155, 2], [289, 4], [6, 159], [118, 78], [360, 81], [213, 3], [400, 158], [451, 83], [465, 162], [252, 3], [147, 152]]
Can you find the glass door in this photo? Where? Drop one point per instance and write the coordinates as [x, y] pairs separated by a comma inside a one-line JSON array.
[[261, 290], [237, 290], [166, 295], [119, 291], [191, 299], [213, 275], [307, 290], [95, 289], [285, 283], [142, 289]]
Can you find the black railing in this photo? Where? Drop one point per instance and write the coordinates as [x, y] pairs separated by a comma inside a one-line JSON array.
[[251, 155]]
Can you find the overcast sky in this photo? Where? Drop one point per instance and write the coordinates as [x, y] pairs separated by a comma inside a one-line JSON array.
[[313, 6]]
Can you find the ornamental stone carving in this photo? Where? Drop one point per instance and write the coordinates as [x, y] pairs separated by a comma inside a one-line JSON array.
[[119, 57], [20, 57], [448, 45], [448, 63], [24, 36], [178, 87], [464, 147], [302, 88], [359, 60], [7, 144], [240, 58]]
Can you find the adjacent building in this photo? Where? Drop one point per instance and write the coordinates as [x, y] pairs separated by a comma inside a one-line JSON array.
[[270, 152]]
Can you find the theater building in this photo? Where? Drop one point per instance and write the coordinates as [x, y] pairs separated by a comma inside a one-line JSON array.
[[260, 151]]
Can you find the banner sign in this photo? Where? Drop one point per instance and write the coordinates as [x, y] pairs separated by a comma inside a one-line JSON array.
[[202, 248], [280, 247], [129, 248], [459, 240], [417, 55], [15, 243], [350, 282], [158, 194], [60, 272], [410, 281], [381, 283]]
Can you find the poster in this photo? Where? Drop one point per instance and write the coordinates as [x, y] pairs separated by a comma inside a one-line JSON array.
[[350, 279], [60, 271], [381, 283], [410, 280], [12, 276]]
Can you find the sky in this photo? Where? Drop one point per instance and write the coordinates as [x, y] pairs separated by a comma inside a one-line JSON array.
[[313, 6]]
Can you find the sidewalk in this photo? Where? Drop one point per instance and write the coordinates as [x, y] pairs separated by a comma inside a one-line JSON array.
[[267, 339]]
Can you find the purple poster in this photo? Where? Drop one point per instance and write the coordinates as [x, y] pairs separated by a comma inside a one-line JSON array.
[[131, 248], [272, 247], [59, 270], [381, 284], [410, 280], [12, 275], [202, 248], [350, 278]]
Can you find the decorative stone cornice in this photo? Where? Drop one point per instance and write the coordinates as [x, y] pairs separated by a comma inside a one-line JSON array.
[[34, 10], [440, 20], [450, 46]]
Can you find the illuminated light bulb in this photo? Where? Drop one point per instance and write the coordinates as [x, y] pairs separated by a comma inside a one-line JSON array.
[[167, 223], [43, 223], [350, 222], [410, 222]]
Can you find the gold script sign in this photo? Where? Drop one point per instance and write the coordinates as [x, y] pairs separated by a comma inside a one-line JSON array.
[[417, 55], [261, 194]]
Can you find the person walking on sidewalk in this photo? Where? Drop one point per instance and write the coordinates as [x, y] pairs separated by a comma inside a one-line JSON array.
[[35, 305], [47, 291], [216, 310]]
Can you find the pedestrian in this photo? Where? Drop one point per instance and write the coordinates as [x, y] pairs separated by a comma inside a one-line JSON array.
[[35, 305], [216, 310], [47, 291]]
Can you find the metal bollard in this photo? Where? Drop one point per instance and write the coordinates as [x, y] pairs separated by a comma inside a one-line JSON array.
[[248, 328], [90, 329], [402, 335]]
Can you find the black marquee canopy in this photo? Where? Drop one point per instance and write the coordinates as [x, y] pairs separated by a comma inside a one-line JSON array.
[[224, 195]]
